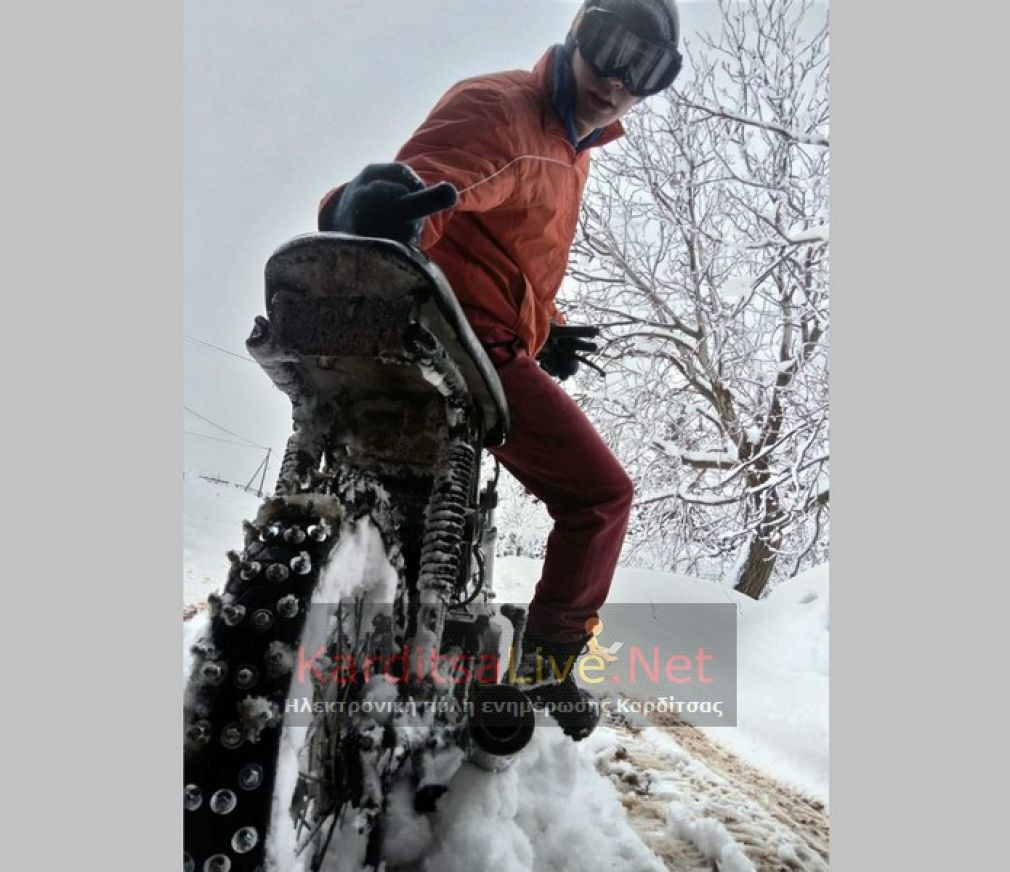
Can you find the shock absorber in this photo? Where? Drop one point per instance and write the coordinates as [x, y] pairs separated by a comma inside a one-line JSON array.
[[443, 542], [442, 546]]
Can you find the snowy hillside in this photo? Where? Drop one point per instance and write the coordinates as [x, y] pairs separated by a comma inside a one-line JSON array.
[[783, 700], [640, 794]]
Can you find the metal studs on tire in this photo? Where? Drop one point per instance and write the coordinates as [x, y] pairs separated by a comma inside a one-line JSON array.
[[302, 564], [192, 797], [277, 572], [250, 776], [294, 535], [213, 673], [245, 677], [244, 840], [200, 732], [287, 606], [233, 614], [223, 802], [262, 620], [232, 737], [317, 533]]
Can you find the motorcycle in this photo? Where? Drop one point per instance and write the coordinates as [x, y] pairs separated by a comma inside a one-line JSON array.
[[399, 659]]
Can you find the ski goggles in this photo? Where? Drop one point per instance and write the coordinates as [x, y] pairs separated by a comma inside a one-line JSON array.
[[612, 50]]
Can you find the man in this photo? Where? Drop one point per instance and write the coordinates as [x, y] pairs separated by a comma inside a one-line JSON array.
[[516, 147]]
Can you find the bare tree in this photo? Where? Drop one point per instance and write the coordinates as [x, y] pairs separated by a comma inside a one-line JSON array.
[[704, 252]]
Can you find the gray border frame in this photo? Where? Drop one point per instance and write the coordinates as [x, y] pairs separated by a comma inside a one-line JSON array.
[[92, 192], [914, 613], [93, 188]]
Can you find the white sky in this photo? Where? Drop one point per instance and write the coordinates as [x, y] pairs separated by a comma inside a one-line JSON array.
[[284, 100]]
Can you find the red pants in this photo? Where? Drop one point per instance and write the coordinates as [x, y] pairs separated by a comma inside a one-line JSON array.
[[557, 455]]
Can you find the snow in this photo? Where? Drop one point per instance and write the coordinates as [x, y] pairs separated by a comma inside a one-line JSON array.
[[713, 456], [709, 835], [782, 662], [281, 841], [782, 684], [554, 809], [550, 812], [192, 631], [809, 234], [516, 578], [358, 565]]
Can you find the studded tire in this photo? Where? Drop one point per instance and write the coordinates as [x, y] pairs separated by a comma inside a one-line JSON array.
[[242, 670]]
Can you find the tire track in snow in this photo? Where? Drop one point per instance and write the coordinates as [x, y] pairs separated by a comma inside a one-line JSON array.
[[698, 807]]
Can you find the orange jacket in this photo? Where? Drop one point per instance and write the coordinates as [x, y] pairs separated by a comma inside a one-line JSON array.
[[504, 246]]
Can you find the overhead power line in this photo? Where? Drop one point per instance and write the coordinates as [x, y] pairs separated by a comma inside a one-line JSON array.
[[219, 348], [226, 430], [219, 439]]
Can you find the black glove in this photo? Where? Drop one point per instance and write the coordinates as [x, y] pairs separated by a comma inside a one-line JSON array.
[[560, 355], [366, 207]]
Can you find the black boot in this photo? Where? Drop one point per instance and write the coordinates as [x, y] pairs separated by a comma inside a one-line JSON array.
[[546, 674]]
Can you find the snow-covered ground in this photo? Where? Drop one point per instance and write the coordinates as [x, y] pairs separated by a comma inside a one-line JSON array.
[[782, 684], [638, 794], [782, 662]]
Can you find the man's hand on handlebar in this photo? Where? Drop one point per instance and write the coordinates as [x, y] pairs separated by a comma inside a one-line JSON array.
[[566, 347]]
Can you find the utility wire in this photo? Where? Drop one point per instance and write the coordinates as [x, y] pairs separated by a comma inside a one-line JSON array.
[[219, 439], [225, 429], [219, 348]]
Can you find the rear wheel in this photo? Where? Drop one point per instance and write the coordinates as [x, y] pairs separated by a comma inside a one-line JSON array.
[[264, 627]]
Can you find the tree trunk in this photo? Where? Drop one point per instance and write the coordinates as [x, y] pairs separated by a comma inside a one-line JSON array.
[[757, 569]]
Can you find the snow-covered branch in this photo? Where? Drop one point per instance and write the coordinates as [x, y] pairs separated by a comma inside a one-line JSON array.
[[792, 135]]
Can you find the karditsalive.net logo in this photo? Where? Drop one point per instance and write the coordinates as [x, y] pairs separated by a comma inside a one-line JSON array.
[[680, 655], [604, 664]]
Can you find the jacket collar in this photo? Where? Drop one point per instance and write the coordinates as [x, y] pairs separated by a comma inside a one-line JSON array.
[[543, 72]]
